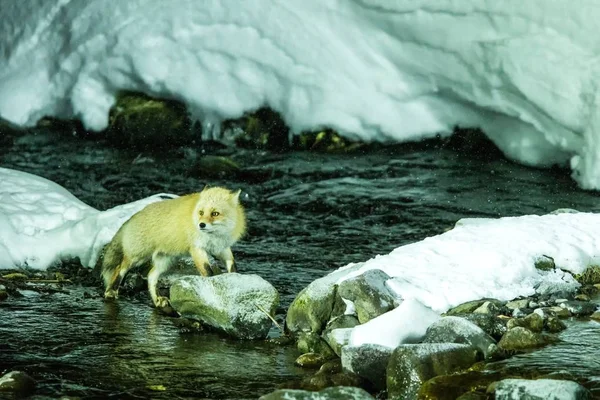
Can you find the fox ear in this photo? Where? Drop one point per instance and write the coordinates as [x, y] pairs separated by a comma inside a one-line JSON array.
[[204, 188], [235, 196]]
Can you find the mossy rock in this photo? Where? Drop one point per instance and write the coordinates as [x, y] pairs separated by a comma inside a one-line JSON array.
[[138, 121], [590, 276], [261, 129], [450, 387], [209, 166], [325, 141], [545, 263]]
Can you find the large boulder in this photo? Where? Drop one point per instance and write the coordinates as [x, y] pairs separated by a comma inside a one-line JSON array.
[[410, 365], [459, 330], [540, 389], [333, 393], [231, 303], [368, 292], [17, 382]]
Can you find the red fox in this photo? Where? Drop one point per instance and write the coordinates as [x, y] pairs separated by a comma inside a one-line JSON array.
[[197, 224]]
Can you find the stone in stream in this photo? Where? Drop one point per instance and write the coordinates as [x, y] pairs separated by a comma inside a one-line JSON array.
[[230, 303], [458, 330], [520, 338], [410, 365], [368, 292], [368, 361], [534, 322], [540, 389], [17, 382], [332, 393], [337, 332]]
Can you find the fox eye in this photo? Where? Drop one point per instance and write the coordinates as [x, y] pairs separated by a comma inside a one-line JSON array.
[[201, 213], [215, 214]]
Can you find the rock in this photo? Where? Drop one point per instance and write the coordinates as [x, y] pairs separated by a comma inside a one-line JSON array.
[[455, 386], [582, 297], [521, 312], [515, 389], [555, 325], [337, 332], [458, 330], [368, 292], [139, 121], [521, 303], [337, 339], [368, 361], [17, 382], [466, 308], [228, 302], [492, 325], [3, 295], [568, 285], [545, 263], [134, 283], [311, 309], [410, 365], [310, 360], [590, 276], [520, 338], [491, 307], [309, 342], [563, 211], [555, 311], [209, 166], [595, 316], [579, 308], [534, 322], [332, 393], [15, 276]]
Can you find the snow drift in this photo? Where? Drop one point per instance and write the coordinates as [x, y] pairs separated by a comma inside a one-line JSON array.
[[41, 223], [525, 72]]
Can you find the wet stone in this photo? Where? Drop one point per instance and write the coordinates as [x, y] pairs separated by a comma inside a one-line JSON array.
[[17, 382], [492, 325], [411, 365], [521, 303], [367, 361], [3, 295], [466, 308], [312, 308], [554, 325], [458, 330], [521, 312], [595, 316], [337, 332], [579, 308], [540, 389], [310, 360], [310, 342], [333, 393], [520, 338], [534, 322], [582, 297], [368, 292]]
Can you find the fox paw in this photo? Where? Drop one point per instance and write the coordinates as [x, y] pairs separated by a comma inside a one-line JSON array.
[[162, 302], [111, 294]]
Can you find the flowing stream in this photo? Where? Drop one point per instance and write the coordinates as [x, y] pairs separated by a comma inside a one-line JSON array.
[[308, 214]]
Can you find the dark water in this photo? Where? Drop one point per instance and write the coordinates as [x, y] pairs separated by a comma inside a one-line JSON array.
[[308, 214]]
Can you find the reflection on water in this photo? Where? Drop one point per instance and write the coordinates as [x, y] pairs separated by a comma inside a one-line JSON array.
[[86, 347]]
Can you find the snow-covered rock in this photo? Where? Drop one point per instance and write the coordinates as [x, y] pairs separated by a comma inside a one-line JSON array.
[[369, 294], [540, 389], [230, 302], [525, 74], [459, 330]]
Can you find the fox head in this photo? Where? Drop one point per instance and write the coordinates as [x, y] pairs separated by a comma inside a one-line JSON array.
[[217, 210]]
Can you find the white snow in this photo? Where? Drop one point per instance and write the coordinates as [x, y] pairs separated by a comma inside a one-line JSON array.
[[491, 259], [407, 323], [42, 223], [527, 73]]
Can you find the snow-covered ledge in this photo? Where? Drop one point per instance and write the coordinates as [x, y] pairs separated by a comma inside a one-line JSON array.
[[525, 72], [480, 258]]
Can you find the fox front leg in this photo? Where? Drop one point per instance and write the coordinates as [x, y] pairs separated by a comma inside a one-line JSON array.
[[200, 258], [227, 257]]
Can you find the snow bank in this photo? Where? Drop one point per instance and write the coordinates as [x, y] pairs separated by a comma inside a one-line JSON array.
[[372, 69], [42, 223], [482, 259]]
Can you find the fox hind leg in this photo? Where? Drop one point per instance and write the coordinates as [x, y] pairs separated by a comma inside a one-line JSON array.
[[112, 279], [227, 257], [160, 264]]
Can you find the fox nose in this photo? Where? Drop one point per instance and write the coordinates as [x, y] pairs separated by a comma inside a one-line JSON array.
[[202, 225]]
